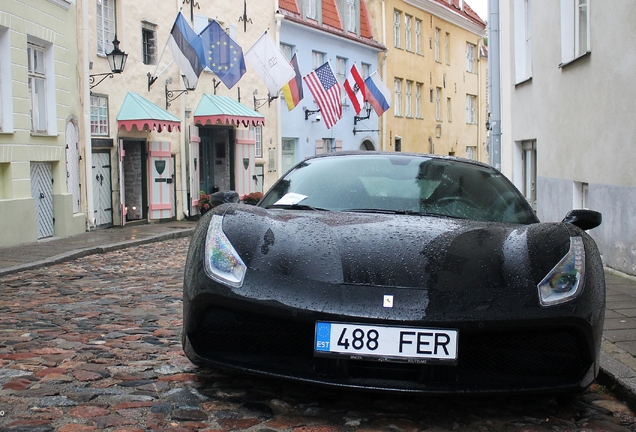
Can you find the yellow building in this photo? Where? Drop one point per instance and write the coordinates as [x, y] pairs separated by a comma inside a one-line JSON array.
[[435, 67]]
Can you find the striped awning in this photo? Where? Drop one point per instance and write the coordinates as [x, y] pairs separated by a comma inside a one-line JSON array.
[[140, 112], [223, 110]]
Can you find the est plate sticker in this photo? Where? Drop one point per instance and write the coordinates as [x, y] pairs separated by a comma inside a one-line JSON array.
[[386, 342]]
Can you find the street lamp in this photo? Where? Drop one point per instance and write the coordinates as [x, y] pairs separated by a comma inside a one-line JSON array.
[[116, 61], [173, 94]]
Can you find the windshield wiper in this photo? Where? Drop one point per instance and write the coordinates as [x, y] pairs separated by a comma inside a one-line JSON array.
[[295, 207], [399, 212]]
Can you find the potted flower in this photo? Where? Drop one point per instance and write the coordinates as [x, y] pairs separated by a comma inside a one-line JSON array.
[[204, 203], [252, 198]]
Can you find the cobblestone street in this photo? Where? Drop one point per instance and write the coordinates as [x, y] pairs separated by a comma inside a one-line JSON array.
[[93, 345]]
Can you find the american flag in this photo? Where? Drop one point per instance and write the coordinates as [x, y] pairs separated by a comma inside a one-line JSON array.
[[325, 89]]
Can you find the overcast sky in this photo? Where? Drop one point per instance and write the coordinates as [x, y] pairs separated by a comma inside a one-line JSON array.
[[479, 6]]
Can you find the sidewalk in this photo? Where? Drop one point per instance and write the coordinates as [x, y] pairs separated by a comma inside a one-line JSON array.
[[618, 357]]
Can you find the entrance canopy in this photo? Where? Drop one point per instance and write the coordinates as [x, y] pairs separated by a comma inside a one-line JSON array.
[[140, 112], [222, 110]]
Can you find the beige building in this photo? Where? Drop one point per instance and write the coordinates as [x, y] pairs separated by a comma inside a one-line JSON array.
[[151, 146], [435, 67], [40, 194]]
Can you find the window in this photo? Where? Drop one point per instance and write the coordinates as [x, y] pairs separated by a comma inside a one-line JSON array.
[[317, 59], [149, 43], [287, 50], [471, 104], [37, 87], [418, 100], [470, 57], [6, 105], [529, 171], [397, 89], [258, 136], [438, 104], [99, 115], [271, 160], [471, 152], [351, 16], [364, 71], [105, 26], [341, 72], [449, 110], [437, 45], [329, 145], [409, 89], [447, 48], [575, 29], [522, 40], [407, 32], [418, 36], [310, 9], [396, 28]]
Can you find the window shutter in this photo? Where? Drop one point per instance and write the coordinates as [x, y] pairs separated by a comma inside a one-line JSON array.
[[338, 145], [567, 30], [320, 146]]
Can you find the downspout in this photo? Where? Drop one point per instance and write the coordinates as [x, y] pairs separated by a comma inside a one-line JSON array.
[[383, 145], [494, 61], [279, 148], [478, 60], [183, 137], [88, 156]]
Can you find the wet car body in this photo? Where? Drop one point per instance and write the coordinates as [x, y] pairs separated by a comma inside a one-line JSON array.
[[428, 276]]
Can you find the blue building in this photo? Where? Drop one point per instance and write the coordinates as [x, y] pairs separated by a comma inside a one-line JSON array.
[[317, 31]]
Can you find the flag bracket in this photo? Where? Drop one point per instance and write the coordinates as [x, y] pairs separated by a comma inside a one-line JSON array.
[[364, 130], [174, 94], [151, 80], [244, 18], [356, 119], [216, 84], [260, 102], [309, 112]]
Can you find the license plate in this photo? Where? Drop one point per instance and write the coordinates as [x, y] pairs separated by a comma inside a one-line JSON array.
[[388, 343]]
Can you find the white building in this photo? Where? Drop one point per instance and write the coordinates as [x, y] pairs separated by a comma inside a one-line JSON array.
[[567, 113]]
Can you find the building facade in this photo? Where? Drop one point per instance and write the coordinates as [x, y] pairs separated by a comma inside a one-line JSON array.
[[318, 31], [435, 66], [40, 177], [567, 127]]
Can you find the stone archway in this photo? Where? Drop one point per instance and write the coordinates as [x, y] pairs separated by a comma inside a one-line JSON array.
[[367, 145]]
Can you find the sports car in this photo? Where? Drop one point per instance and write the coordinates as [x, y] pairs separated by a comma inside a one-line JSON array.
[[399, 272]]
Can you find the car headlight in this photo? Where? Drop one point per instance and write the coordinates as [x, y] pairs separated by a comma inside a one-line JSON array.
[[222, 262], [566, 278]]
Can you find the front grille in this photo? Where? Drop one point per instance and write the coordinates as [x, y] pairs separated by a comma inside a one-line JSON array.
[[488, 361]]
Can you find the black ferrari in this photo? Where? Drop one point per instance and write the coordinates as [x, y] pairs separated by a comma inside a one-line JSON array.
[[400, 272]]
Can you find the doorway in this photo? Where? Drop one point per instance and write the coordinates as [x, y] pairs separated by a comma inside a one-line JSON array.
[[214, 155], [42, 193], [102, 196], [135, 197]]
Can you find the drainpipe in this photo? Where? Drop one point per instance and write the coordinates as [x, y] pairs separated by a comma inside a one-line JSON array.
[[279, 150], [494, 72], [383, 145], [88, 156]]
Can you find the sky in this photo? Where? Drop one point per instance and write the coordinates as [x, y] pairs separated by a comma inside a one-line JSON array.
[[479, 6]]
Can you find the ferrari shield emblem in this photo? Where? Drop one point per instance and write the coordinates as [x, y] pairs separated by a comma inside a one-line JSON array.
[[388, 301]]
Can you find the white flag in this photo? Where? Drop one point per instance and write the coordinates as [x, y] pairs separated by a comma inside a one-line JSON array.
[[270, 63]]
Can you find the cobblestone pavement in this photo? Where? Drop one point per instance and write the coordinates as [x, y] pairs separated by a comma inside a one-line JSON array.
[[93, 345]]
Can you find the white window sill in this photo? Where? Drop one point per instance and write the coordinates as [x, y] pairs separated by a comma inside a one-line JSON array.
[[525, 80], [569, 62]]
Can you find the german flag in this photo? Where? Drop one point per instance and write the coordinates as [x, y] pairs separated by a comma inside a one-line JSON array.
[[293, 90]]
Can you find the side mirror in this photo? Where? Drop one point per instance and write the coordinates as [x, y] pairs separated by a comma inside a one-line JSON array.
[[584, 219], [218, 198]]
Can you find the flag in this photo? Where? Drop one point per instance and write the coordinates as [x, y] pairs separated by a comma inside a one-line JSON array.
[[293, 90], [187, 49], [270, 63], [377, 93], [355, 88], [223, 55], [325, 89]]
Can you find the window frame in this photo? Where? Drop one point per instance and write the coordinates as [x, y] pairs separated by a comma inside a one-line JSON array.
[[397, 93], [437, 47], [352, 19], [418, 100], [408, 109], [408, 21], [38, 100], [418, 36], [311, 9], [397, 18], [106, 26], [471, 107], [148, 46], [471, 57], [522, 40], [447, 48], [258, 141], [99, 128], [574, 43], [315, 56], [438, 103], [449, 109]]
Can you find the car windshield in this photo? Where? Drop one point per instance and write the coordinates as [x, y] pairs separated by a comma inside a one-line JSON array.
[[407, 184]]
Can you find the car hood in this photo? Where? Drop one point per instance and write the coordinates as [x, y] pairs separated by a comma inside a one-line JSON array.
[[426, 252]]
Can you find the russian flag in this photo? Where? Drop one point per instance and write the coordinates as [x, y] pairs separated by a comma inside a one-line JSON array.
[[377, 93]]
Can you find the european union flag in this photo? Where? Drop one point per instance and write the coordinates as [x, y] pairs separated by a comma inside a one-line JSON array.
[[224, 56]]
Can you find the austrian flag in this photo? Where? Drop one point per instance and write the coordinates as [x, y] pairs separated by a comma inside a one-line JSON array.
[[354, 86]]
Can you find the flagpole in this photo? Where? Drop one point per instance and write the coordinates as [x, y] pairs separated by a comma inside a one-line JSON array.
[[153, 78]]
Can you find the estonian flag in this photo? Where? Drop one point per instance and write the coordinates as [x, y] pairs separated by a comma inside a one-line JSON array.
[[293, 90], [187, 49]]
